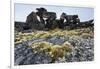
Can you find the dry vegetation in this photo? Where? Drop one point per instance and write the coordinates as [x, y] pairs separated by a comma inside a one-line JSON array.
[[84, 33], [55, 51]]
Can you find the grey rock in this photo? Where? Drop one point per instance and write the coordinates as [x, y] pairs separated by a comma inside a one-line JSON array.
[[83, 50], [19, 60], [56, 40]]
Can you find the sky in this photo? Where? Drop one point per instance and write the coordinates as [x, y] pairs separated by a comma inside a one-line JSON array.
[[23, 10]]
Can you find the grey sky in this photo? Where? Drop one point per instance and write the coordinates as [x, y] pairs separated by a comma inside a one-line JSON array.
[[22, 10]]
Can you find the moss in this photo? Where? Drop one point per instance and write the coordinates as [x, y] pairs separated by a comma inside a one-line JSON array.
[[17, 39], [41, 47], [55, 51], [47, 35], [55, 30], [67, 46], [84, 33], [17, 42], [73, 32], [41, 35], [87, 35]]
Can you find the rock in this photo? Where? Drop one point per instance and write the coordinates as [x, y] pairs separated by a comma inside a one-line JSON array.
[[60, 60], [35, 40], [19, 60], [24, 55], [41, 58], [56, 40], [21, 51], [83, 50]]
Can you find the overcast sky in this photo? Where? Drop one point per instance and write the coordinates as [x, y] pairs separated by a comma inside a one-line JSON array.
[[22, 10]]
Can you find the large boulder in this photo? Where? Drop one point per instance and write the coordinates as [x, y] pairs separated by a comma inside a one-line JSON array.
[[33, 22], [50, 19], [67, 19], [39, 13], [86, 24]]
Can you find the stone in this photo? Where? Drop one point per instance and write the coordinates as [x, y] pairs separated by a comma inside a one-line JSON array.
[[56, 41], [83, 50]]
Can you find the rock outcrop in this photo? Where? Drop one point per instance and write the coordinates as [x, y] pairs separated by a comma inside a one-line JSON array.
[[47, 21]]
